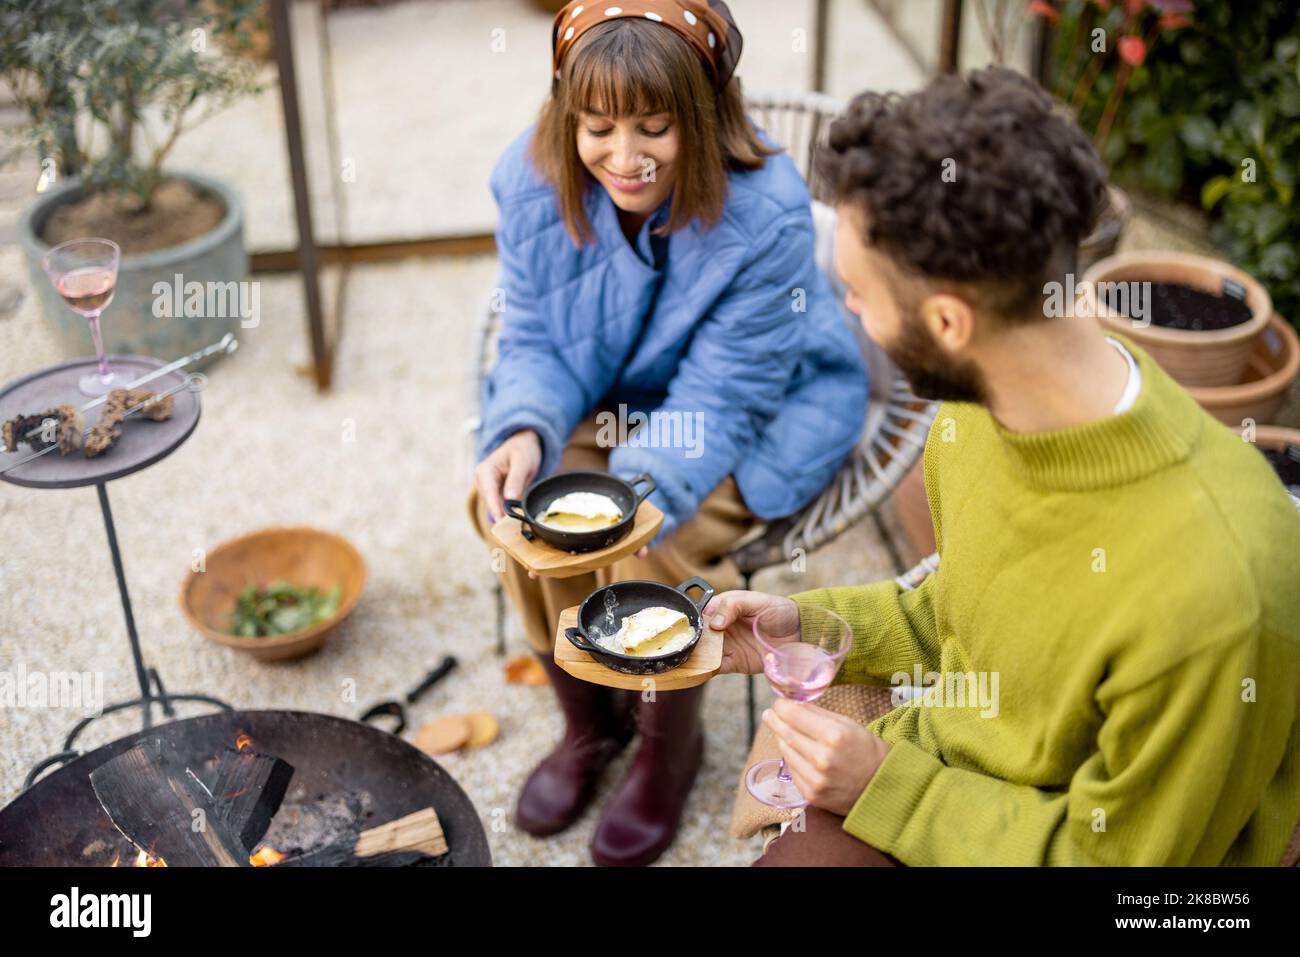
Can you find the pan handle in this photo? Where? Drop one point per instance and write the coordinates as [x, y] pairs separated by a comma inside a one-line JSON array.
[[579, 640], [650, 486], [702, 585], [515, 509], [431, 679]]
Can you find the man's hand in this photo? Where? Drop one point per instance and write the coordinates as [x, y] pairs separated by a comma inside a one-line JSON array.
[[831, 758], [733, 614], [507, 471]]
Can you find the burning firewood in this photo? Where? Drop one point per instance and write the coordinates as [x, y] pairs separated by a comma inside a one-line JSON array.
[[404, 841], [160, 806]]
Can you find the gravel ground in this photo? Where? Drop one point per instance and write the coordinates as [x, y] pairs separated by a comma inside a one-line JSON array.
[[270, 451]]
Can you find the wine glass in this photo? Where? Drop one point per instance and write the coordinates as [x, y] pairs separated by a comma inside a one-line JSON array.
[[84, 271], [802, 649]]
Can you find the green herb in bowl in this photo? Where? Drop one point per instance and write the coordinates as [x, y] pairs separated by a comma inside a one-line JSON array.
[[281, 608]]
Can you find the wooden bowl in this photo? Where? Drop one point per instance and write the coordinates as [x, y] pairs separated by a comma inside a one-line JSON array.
[[306, 557]]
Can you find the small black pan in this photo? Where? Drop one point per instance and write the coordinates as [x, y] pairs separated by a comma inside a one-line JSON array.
[[629, 598], [541, 494]]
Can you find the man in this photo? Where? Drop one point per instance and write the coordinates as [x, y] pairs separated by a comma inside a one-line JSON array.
[[1118, 569]]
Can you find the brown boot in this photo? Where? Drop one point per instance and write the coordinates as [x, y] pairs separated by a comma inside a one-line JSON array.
[[640, 820], [598, 723]]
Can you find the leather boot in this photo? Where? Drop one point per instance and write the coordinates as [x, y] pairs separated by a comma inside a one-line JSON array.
[[598, 723], [640, 820]]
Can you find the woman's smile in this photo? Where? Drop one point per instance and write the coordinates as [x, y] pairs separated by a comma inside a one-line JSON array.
[[630, 184]]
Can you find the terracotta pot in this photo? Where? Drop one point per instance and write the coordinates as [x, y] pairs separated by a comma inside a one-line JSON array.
[[302, 556], [1105, 236], [1272, 367], [1210, 358], [1277, 438]]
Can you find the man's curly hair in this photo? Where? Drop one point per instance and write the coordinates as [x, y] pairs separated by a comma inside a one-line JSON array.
[[1024, 185]]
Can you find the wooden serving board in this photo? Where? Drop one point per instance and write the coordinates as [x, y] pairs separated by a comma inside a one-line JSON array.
[[702, 665], [550, 562]]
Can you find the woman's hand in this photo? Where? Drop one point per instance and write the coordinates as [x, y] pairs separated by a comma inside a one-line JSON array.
[[733, 614], [507, 471], [832, 758]]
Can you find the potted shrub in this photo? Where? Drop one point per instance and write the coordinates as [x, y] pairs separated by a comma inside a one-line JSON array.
[[1201, 315], [109, 86]]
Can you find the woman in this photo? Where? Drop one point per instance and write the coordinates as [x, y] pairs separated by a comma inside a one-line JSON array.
[[657, 258]]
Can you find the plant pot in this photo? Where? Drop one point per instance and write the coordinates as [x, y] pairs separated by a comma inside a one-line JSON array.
[[1276, 438], [1215, 357], [1271, 370], [129, 325], [1105, 236]]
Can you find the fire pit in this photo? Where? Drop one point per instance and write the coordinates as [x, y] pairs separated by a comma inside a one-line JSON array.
[[349, 785]]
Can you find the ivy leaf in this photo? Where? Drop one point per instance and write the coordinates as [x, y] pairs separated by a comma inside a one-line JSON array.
[[1214, 190]]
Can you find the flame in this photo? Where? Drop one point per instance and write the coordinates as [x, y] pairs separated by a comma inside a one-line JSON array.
[[242, 741], [266, 857], [144, 859]]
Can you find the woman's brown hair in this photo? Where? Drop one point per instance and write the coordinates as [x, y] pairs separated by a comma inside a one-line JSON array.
[[628, 67]]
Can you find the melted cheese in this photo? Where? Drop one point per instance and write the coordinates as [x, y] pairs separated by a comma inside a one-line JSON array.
[[654, 631], [581, 512]]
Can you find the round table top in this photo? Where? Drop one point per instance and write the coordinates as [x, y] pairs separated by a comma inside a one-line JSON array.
[[143, 441]]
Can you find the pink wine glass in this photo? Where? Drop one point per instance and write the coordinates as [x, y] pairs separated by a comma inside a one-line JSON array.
[[84, 271], [802, 649]]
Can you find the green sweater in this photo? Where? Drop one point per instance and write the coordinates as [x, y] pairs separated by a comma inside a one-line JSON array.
[[1130, 588]]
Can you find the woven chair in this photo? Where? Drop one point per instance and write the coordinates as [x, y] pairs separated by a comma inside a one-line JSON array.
[[897, 421]]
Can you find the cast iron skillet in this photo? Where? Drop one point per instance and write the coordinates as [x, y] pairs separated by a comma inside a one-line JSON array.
[[542, 493], [630, 597]]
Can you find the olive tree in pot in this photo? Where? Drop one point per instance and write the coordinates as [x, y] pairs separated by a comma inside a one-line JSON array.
[[109, 86]]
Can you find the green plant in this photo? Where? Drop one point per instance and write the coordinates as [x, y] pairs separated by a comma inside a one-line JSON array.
[[1210, 115], [110, 85]]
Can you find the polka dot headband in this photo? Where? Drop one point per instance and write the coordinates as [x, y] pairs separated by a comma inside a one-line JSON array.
[[705, 24]]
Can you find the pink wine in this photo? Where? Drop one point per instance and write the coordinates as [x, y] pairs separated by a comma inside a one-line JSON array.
[[799, 671], [87, 290]]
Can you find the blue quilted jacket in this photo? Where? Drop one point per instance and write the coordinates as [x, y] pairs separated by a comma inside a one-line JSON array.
[[732, 328]]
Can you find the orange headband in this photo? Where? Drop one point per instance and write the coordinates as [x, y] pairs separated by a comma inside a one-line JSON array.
[[706, 26]]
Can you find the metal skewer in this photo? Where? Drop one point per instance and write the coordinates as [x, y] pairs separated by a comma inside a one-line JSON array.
[[227, 344], [194, 382]]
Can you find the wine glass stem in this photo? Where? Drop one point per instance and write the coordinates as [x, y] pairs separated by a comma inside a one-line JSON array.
[[783, 775], [104, 374]]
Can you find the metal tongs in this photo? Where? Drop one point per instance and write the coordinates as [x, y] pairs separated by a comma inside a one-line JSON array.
[[397, 709]]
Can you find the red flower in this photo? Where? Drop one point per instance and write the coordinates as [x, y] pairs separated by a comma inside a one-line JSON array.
[[1173, 21], [1044, 9], [1173, 6], [1132, 50]]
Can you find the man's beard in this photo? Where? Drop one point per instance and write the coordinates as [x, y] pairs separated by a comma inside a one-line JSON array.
[[929, 372]]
